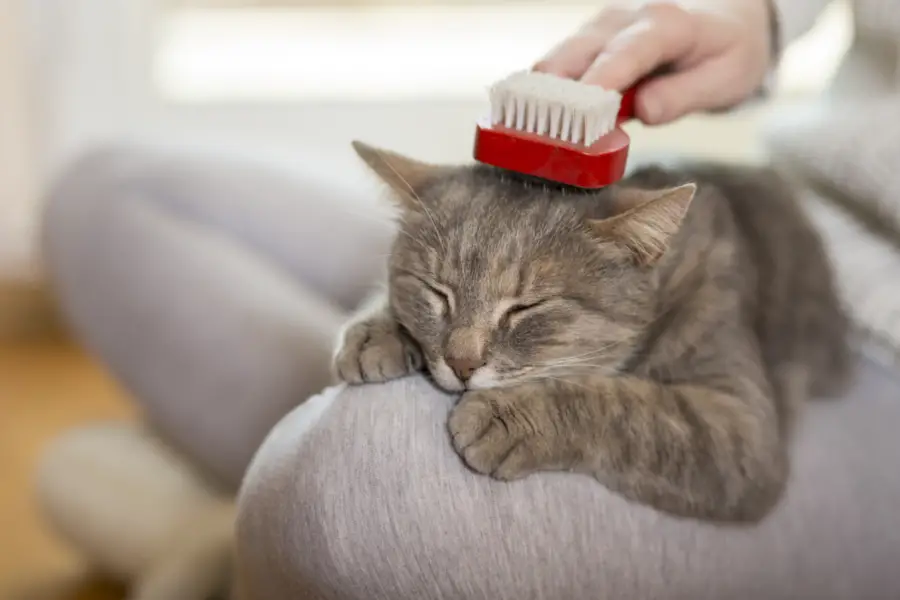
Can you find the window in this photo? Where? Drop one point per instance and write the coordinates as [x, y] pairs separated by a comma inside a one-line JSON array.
[[388, 51], [213, 51]]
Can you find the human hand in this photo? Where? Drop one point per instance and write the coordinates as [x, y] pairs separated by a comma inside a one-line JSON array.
[[716, 53]]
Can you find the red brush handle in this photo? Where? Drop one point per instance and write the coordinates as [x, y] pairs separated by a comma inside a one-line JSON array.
[[627, 107], [596, 166]]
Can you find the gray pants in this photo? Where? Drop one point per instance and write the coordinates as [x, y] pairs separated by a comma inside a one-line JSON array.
[[214, 291]]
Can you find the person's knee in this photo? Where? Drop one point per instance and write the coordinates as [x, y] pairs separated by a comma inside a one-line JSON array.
[[87, 179], [373, 503], [82, 193], [278, 537], [331, 512], [214, 343]]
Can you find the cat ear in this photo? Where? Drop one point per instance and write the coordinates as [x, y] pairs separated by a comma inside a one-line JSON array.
[[406, 177], [647, 229]]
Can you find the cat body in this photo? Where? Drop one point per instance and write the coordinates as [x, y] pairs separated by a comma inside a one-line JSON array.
[[660, 335]]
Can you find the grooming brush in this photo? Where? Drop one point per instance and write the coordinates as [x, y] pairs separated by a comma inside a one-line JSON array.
[[556, 129]]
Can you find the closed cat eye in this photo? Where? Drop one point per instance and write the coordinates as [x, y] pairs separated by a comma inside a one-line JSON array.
[[442, 295], [517, 310]]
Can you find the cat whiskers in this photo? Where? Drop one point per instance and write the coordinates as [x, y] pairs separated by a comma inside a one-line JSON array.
[[575, 369], [579, 364], [563, 381], [418, 242], [577, 358]]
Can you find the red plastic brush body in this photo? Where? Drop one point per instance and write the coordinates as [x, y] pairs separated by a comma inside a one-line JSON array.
[[598, 165]]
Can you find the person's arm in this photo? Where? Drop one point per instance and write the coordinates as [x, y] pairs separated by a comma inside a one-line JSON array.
[[793, 18]]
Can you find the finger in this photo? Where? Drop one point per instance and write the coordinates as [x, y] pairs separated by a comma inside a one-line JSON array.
[[718, 83], [664, 34], [576, 54]]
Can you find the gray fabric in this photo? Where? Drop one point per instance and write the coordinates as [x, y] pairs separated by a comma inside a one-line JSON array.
[[868, 267], [371, 503], [192, 282]]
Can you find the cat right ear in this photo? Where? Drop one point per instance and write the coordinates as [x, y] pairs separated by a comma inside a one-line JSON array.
[[647, 229], [406, 177]]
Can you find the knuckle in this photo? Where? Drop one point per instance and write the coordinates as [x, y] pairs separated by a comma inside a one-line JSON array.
[[612, 13], [663, 11], [622, 66], [668, 23], [629, 65]]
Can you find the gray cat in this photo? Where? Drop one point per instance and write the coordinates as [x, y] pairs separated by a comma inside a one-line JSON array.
[[659, 335]]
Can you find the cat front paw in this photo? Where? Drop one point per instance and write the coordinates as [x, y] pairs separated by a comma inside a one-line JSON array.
[[508, 433], [375, 351]]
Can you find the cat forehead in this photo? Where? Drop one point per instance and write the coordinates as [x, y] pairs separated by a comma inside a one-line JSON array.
[[475, 194]]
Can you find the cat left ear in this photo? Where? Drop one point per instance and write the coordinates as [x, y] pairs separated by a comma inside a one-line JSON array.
[[405, 176], [647, 230]]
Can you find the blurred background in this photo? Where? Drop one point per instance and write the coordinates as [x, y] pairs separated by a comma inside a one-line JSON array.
[[281, 81]]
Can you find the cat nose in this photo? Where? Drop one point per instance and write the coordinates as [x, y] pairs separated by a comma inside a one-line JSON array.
[[464, 367]]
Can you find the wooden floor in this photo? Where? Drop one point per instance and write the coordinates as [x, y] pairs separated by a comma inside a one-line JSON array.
[[45, 387]]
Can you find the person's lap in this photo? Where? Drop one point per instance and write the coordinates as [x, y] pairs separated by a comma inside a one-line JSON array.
[[168, 272], [358, 494]]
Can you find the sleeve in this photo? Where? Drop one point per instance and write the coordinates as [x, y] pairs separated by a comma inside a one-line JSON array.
[[792, 18]]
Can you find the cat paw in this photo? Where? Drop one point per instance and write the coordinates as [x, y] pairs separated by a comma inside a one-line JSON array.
[[375, 351], [507, 433]]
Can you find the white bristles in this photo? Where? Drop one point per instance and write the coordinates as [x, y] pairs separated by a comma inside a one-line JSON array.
[[554, 106]]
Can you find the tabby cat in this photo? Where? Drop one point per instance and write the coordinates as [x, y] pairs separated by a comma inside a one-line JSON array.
[[659, 335]]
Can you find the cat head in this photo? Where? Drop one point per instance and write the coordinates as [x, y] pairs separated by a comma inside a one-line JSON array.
[[502, 280]]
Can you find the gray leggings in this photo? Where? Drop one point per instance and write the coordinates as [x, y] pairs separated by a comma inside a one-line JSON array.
[[211, 290], [214, 291]]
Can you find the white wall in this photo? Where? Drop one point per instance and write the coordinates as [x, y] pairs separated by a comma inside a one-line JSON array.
[[18, 183]]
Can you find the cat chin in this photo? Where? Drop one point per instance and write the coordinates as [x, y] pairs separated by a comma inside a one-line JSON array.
[[487, 377], [483, 379]]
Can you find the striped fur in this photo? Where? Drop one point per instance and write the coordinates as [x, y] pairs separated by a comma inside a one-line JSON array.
[[660, 335]]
